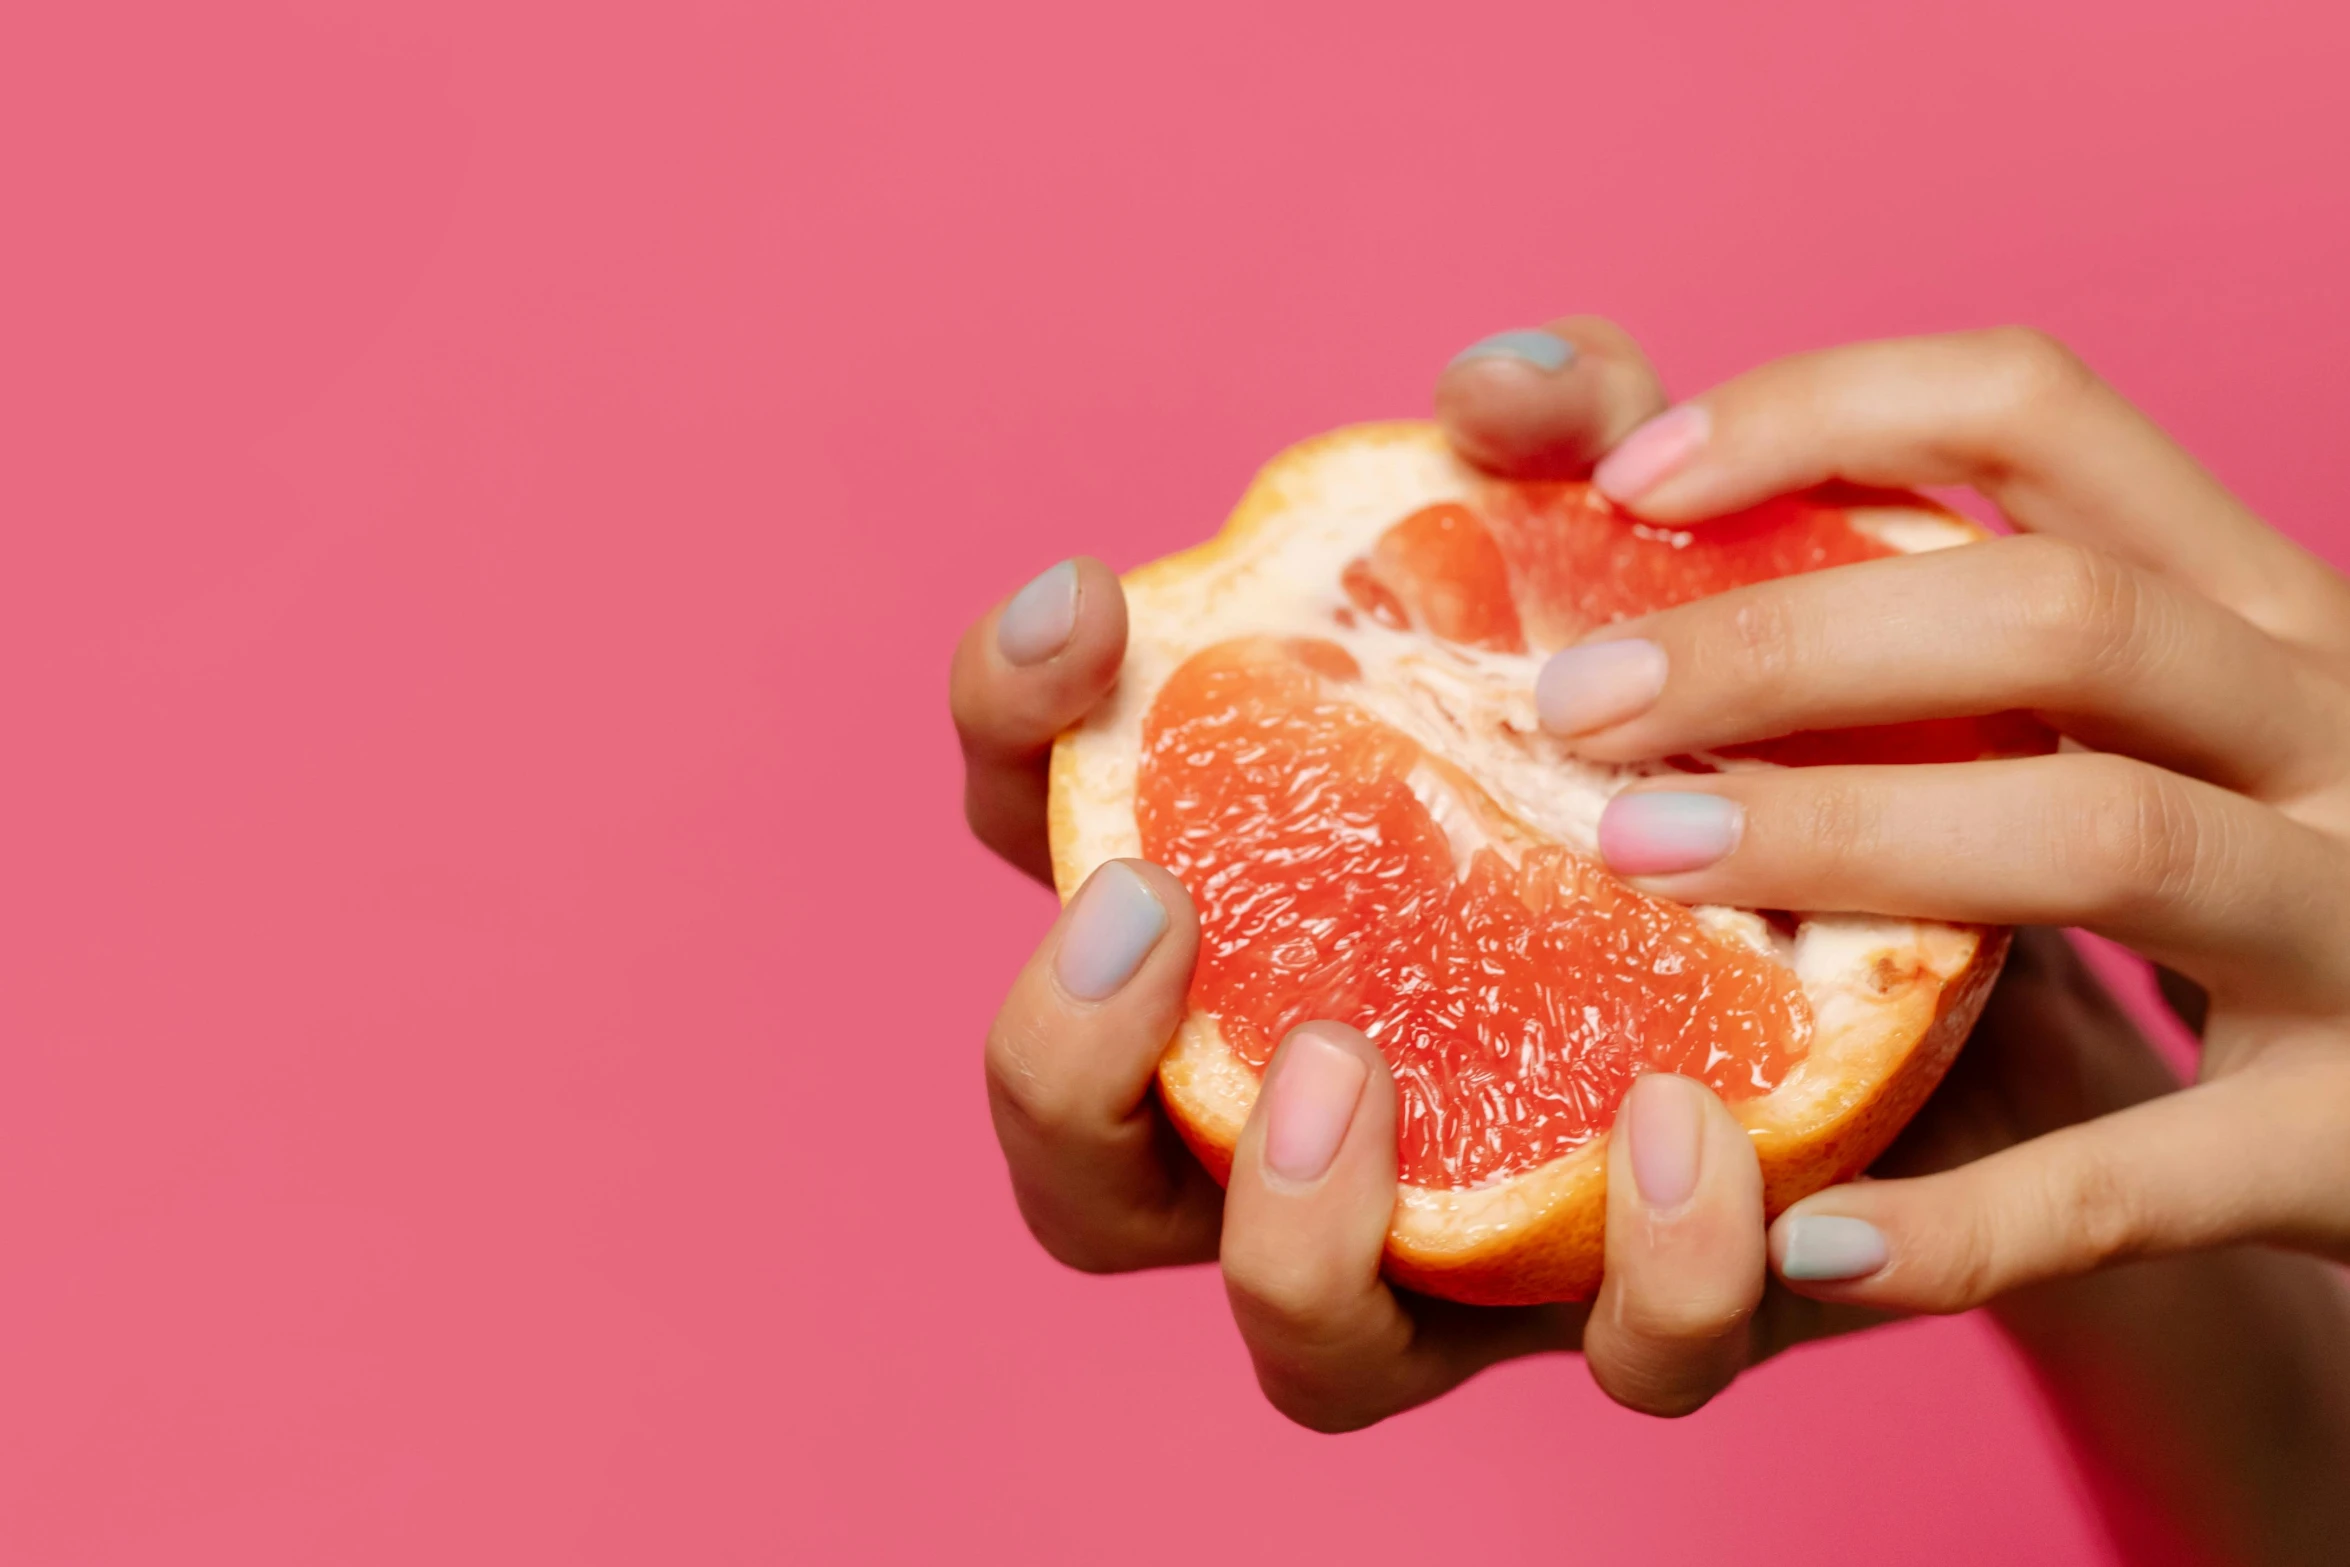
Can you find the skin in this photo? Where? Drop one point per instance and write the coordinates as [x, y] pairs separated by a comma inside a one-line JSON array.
[[2161, 1253]]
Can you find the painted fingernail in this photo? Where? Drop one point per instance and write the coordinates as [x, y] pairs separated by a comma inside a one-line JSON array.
[[1649, 455], [1116, 922], [1037, 622], [1656, 834], [1309, 1105], [1539, 349], [1666, 1122], [1822, 1246], [1585, 688]]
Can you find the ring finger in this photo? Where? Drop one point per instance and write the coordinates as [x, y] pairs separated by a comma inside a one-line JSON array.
[[2190, 874]]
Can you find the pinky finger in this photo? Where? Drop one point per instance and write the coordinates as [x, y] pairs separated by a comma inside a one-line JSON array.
[[2253, 1157]]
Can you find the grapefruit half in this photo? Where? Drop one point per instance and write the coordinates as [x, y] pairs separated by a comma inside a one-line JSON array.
[[1325, 727]]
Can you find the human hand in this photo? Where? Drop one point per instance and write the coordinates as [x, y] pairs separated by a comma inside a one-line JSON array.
[[2142, 611], [1105, 1183]]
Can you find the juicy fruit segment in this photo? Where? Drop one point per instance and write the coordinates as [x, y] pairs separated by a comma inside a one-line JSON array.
[[1514, 1002], [1579, 563], [1515, 987], [1440, 569], [1539, 565]]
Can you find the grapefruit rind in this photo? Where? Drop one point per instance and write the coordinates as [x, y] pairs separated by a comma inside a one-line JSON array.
[[1892, 999]]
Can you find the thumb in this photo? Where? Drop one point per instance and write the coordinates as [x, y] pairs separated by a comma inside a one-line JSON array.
[[2244, 1158], [1547, 403]]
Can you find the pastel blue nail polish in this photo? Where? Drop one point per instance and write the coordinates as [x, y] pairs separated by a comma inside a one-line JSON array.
[[1116, 922], [1539, 349], [1037, 623], [1824, 1246]]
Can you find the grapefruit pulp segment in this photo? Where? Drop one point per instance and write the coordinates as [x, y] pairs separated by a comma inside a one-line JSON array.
[[1514, 1000], [1324, 725]]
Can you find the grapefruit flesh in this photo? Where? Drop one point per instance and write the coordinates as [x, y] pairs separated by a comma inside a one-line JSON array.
[[1514, 1002], [1324, 728]]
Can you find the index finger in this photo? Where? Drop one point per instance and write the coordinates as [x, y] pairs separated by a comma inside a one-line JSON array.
[[2009, 412]]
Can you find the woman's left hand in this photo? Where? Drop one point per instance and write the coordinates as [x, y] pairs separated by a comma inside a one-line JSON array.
[[2201, 660]]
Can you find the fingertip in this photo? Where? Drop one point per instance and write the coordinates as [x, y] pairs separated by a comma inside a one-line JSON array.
[[1637, 473], [1663, 1117], [1326, 1103], [1513, 405], [1101, 599], [1167, 887], [1037, 621], [1825, 1253], [1493, 409], [1035, 663], [1306, 1219], [1108, 934], [1685, 1265], [1341, 1036], [1089, 657]]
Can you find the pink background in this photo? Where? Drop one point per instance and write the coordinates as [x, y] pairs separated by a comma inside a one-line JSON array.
[[493, 975]]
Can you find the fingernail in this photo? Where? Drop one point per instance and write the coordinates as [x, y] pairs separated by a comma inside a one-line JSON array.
[[1539, 349], [1116, 922], [1585, 688], [1037, 623], [1822, 1246], [1650, 454], [1310, 1103], [1658, 833], [1666, 1122]]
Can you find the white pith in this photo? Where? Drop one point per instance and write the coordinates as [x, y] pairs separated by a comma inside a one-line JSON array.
[[1871, 982]]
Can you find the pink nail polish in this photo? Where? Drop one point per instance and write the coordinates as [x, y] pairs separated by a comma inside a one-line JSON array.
[[1665, 1121], [1600, 683], [1652, 453], [1663, 831], [1310, 1103]]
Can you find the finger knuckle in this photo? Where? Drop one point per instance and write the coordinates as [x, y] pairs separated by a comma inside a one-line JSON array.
[[1646, 1386], [1282, 1295], [1021, 1083], [1689, 1323], [1763, 645], [2139, 840], [1837, 818], [1071, 1245], [1970, 1268], [1314, 1404], [2092, 1212], [2084, 616], [2029, 374]]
